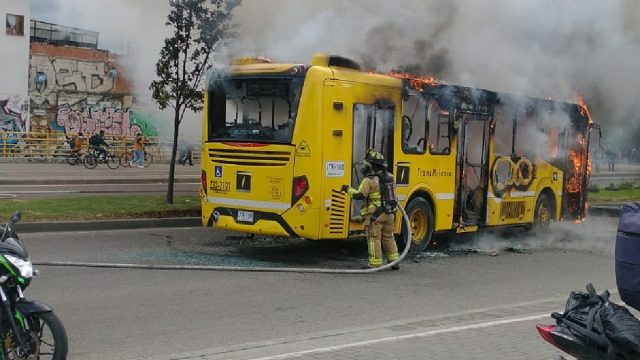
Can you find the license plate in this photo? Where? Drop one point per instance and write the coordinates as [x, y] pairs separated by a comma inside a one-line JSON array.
[[245, 216]]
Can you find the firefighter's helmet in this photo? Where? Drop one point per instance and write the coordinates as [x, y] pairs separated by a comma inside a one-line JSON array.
[[375, 157]]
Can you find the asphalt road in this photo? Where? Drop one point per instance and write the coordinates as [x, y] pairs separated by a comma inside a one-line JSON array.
[[468, 304]]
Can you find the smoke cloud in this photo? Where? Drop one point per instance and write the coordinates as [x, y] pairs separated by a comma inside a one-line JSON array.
[[542, 48], [596, 235]]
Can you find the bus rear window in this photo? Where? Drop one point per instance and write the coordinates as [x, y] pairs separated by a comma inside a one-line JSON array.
[[254, 109]]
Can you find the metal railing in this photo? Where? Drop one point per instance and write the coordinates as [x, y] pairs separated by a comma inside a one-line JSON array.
[[63, 35], [55, 147]]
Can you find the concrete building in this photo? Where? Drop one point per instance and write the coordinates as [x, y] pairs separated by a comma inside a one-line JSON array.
[[14, 65]]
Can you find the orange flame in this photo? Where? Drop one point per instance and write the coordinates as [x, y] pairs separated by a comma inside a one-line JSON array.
[[584, 109], [417, 82]]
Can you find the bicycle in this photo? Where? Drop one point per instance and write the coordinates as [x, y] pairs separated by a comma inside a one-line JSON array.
[[75, 158], [95, 157], [128, 157]]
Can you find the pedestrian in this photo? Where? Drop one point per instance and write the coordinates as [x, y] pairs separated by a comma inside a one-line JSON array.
[[377, 190], [138, 151], [611, 159], [186, 154]]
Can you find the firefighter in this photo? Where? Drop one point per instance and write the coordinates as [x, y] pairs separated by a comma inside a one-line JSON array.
[[379, 222]]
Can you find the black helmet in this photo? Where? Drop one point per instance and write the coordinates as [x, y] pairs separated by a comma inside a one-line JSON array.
[[375, 157]]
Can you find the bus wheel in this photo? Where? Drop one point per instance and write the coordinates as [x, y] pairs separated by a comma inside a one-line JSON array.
[[543, 214], [421, 223]]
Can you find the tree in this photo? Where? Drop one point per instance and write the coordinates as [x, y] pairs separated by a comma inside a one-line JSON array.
[[199, 27]]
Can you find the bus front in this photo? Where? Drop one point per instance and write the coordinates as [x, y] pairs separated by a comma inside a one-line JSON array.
[[248, 156]]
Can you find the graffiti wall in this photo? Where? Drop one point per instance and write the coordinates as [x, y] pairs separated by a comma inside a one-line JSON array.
[[13, 114], [90, 119], [74, 89]]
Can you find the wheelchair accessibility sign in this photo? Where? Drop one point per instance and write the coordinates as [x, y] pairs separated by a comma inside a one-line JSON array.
[[218, 171]]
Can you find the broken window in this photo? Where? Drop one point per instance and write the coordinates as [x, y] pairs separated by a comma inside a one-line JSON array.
[[439, 129], [414, 125], [503, 136], [529, 137]]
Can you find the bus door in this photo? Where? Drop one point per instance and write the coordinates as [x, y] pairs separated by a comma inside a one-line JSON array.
[[473, 168], [372, 129]]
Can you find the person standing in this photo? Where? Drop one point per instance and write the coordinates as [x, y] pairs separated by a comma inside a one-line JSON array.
[[378, 216], [186, 154], [611, 159], [138, 151]]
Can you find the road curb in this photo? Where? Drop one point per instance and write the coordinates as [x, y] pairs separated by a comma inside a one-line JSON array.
[[128, 224], [605, 210]]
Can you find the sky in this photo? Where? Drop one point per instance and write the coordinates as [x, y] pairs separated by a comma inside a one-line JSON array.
[[544, 48]]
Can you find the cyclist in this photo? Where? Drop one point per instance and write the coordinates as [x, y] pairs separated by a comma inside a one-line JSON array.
[[97, 143], [76, 144]]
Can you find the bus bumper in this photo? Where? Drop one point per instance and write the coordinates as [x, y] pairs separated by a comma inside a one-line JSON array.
[[265, 223]]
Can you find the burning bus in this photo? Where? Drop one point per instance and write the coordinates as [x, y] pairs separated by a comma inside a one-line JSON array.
[[279, 140]]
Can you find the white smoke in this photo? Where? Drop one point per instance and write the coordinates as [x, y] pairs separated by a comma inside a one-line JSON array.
[[596, 235], [540, 48]]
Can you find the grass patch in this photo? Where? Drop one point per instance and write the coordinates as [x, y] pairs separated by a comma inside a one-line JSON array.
[[100, 207], [614, 196]]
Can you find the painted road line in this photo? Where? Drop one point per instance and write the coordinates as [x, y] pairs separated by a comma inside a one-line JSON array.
[[453, 329]]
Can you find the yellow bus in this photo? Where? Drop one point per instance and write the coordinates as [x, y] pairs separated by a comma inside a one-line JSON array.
[[279, 140]]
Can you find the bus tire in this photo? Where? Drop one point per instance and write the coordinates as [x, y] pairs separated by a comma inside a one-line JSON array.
[[421, 222], [543, 214]]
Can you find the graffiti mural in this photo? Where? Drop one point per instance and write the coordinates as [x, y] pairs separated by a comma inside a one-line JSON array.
[[12, 119], [12, 114], [90, 120], [75, 89], [51, 74]]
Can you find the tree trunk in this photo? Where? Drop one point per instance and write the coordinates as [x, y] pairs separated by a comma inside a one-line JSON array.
[[174, 149]]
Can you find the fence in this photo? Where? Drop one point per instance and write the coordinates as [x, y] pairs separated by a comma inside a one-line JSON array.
[[55, 147], [63, 35]]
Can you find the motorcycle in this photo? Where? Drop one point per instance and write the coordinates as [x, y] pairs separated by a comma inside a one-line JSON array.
[[593, 328], [29, 330]]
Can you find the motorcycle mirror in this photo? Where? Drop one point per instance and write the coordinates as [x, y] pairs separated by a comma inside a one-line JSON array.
[[16, 217]]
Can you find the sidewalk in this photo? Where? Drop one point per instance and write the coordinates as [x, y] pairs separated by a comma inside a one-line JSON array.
[[62, 173]]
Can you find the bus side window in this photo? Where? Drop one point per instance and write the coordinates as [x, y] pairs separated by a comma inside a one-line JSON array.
[[414, 125], [439, 130], [529, 137], [553, 126], [503, 135]]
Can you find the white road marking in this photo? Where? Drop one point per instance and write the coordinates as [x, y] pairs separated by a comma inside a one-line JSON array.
[[404, 337]]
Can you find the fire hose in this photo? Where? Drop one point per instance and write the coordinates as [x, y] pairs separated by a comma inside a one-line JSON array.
[[407, 239]]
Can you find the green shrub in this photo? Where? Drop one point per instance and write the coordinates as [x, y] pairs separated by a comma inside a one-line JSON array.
[[611, 187], [626, 185]]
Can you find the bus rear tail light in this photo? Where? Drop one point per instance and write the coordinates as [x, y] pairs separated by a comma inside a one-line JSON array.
[[203, 181], [300, 187]]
